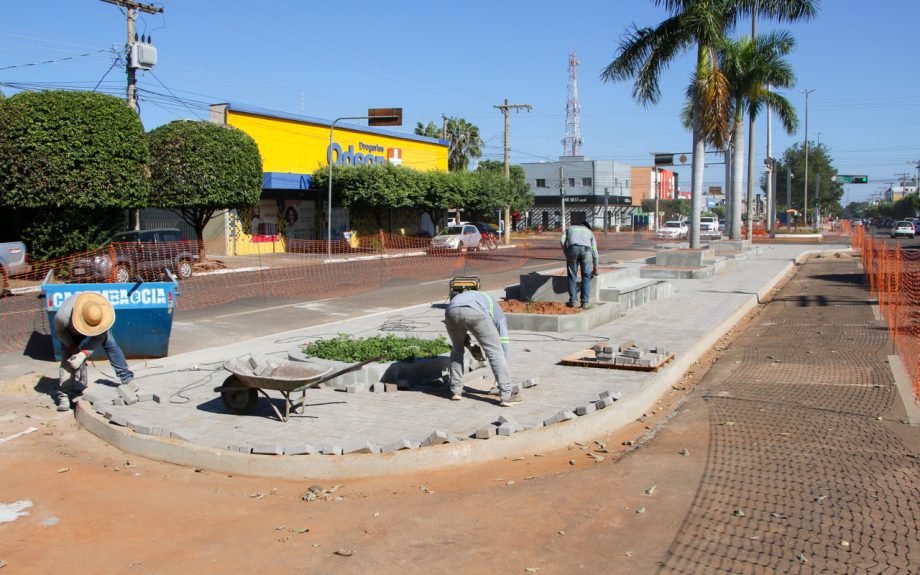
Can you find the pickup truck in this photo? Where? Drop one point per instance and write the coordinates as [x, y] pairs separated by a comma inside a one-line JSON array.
[[709, 227], [13, 262]]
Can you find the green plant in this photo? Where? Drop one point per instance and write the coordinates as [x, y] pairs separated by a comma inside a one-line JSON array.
[[344, 348]]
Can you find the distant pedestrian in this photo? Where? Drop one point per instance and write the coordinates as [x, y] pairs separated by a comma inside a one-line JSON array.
[[82, 324], [580, 249], [476, 312]]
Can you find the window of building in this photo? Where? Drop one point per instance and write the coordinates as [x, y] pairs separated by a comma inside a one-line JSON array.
[[541, 183], [571, 182], [586, 182]]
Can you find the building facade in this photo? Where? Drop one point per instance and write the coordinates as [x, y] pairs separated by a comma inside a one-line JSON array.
[[292, 148], [579, 189]]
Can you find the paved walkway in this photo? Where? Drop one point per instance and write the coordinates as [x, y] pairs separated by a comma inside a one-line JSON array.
[[811, 464], [191, 426]]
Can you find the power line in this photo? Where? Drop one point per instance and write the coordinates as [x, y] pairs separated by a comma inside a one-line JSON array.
[[57, 60]]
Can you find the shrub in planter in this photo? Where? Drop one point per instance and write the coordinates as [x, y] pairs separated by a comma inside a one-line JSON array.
[[345, 348]]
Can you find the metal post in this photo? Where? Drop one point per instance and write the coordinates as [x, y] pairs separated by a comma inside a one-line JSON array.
[[805, 188], [562, 195], [606, 212], [657, 188]]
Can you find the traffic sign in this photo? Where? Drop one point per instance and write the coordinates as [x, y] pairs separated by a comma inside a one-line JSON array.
[[853, 179]]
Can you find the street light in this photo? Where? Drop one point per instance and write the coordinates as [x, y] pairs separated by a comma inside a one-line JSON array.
[[329, 159], [805, 197]]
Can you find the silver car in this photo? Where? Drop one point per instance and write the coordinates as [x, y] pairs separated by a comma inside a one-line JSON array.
[[905, 229], [458, 239]]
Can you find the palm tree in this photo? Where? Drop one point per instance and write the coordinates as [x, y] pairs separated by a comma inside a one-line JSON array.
[[463, 137], [752, 67], [644, 52]]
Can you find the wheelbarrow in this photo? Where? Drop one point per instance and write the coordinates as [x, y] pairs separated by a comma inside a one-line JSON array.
[[251, 376]]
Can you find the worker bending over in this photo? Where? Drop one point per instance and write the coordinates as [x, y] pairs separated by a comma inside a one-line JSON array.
[[476, 312], [82, 324]]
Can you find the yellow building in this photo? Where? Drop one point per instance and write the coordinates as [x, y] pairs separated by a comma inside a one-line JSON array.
[[292, 148]]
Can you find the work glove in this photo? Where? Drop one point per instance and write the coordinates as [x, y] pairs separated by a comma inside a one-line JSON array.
[[77, 359]]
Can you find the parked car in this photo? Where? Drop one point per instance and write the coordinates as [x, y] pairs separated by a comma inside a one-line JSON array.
[[144, 254], [903, 229], [709, 227], [917, 227], [456, 238], [673, 230], [13, 262]]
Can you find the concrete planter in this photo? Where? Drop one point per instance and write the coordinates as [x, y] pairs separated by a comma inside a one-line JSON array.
[[401, 373], [583, 321]]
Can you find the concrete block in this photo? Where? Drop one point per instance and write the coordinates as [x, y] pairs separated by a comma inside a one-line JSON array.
[[605, 393], [626, 345], [129, 397], [435, 438], [119, 419], [240, 448], [633, 352], [585, 409], [101, 407], [93, 397], [608, 349], [565, 416], [363, 447], [644, 362], [268, 449], [507, 419], [550, 421], [142, 428], [119, 402], [486, 432], [379, 387], [162, 431], [399, 445], [391, 387], [300, 449], [145, 397], [531, 382], [331, 450], [160, 398], [602, 403], [351, 388], [507, 429]]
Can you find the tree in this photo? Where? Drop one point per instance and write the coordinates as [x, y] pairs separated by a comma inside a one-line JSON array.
[[519, 196], [73, 150], [752, 66], [645, 52], [821, 178], [200, 168], [463, 137], [70, 162]]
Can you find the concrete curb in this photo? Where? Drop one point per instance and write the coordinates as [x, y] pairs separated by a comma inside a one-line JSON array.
[[451, 454]]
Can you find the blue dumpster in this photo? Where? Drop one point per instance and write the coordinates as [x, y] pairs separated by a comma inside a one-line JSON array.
[[143, 314]]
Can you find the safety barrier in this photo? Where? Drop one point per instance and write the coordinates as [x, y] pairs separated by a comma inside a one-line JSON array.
[[307, 270], [894, 277]]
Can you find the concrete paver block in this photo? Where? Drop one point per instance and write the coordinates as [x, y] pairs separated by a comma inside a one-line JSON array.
[[268, 449], [300, 449], [531, 382], [126, 395], [399, 445], [142, 428], [436, 437], [180, 434], [240, 448], [506, 429], [93, 397], [118, 402], [486, 432], [145, 397], [331, 450], [363, 447], [602, 403], [159, 398], [391, 387], [585, 409], [565, 416], [119, 419]]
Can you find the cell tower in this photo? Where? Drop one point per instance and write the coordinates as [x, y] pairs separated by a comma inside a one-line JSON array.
[[571, 143]]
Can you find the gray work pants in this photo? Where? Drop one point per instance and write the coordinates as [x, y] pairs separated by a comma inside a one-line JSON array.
[[459, 321]]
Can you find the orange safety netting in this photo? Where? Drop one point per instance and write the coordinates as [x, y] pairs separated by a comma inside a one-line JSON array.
[[894, 277], [304, 269]]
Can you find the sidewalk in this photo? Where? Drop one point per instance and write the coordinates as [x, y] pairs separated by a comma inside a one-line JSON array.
[[191, 426]]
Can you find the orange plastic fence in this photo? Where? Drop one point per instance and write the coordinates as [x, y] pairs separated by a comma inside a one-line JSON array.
[[894, 277]]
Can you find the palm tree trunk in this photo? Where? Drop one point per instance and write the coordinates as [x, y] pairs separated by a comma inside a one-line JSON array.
[[737, 175], [749, 232], [699, 161], [728, 214]]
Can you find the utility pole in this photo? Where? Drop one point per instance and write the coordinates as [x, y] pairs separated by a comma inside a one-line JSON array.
[[771, 208], [562, 195], [805, 188], [505, 108], [131, 7]]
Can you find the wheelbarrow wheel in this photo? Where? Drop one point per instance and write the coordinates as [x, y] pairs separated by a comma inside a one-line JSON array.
[[239, 401]]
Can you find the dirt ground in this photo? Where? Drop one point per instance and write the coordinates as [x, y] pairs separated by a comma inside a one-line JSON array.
[[540, 307], [609, 504]]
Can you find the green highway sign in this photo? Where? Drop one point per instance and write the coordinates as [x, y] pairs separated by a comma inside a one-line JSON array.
[[852, 179]]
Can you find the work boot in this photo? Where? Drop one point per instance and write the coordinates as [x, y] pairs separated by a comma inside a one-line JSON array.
[[569, 304], [512, 401], [62, 401], [586, 305]]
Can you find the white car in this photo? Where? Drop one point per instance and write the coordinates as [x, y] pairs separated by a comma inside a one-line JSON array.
[[456, 239], [709, 227], [904, 228], [673, 230]]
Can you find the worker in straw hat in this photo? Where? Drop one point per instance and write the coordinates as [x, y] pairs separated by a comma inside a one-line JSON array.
[[82, 324]]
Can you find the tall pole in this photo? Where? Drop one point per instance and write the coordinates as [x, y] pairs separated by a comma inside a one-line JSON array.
[[657, 188], [131, 9], [771, 201], [607, 210], [805, 188], [562, 195], [505, 108], [788, 188]]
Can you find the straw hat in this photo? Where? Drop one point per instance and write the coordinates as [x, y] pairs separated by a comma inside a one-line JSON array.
[[92, 314]]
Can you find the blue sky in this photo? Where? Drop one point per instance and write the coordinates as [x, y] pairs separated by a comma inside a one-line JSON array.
[[327, 60]]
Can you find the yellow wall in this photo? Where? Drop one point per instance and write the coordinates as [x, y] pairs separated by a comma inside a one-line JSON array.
[[300, 148]]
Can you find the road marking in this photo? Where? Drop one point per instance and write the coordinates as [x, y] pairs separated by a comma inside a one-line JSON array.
[[261, 309]]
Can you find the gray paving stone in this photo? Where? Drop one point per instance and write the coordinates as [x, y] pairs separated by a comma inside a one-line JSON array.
[[118, 402], [486, 432], [145, 397], [142, 428], [550, 421], [602, 403], [181, 435], [331, 450], [94, 397], [565, 416], [159, 398], [300, 449], [119, 419], [268, 449], [508, 429], [399, 445], [436, 437], [363, 447], [585, 409], [531, 382], [126, 395]]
